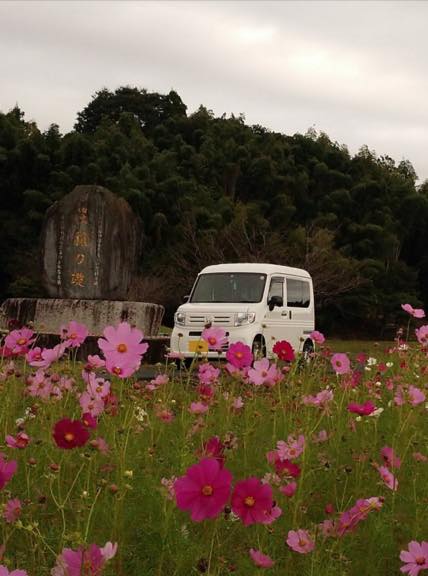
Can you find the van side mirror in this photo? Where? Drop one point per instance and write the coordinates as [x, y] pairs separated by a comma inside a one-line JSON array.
[[275, 301], [186, 298]]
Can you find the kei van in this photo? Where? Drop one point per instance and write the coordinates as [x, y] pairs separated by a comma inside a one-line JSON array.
[[258, 304]]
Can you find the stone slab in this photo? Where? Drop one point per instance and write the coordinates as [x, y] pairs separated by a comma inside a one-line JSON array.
[[47, 315]]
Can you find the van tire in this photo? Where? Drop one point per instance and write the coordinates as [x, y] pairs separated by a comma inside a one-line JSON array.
[[259, 347], [308, 350]]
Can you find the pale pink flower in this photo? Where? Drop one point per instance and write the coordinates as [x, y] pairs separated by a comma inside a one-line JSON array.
[[208, 374], [341, 363], [264, 373], [419, 457], [321, 399], [415, 312], [91, 403], [48, 356], [389, 457], [260, 559], [415, 558], [422, 335], [5, 572], [21, 440], [39, 385], [291, 449], [12, 510], [300, 541], [388, 477], [168, 483], [97, 386], [317, 337], [109, 550], [19, 341], [416, 396], [237, 403], [73, 334], [122, 367], [215, 338], [123, 345], [321, 437], [271, 515], [328, 528], [198, 408], [101, 445]]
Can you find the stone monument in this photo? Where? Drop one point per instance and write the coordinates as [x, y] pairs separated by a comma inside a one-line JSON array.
[[91, 242]]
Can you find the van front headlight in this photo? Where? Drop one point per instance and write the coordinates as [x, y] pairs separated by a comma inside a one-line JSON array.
[[242, 318], [180, 318]]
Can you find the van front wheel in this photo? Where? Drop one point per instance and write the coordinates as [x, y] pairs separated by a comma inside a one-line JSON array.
[[259, 348]]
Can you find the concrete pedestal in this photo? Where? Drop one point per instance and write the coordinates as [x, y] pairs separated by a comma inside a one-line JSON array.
[[47, 315]]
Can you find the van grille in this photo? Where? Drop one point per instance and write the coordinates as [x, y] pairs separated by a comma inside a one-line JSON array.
[[215, 319]]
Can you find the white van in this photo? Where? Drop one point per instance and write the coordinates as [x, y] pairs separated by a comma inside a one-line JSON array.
[[258, 304]]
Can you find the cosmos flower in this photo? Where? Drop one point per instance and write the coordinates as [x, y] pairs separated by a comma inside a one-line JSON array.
[[70, 434], [284, 351], [239, 355], [300, 541], [415, 558], [341, 363], [260, 560], [215, 338], [251, 501], [74, 334]]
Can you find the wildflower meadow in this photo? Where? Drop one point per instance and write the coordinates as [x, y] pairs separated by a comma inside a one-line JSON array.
[[293, 465]]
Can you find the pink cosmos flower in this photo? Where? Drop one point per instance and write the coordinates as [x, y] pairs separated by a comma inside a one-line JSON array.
[[321, 437], [198, 408], [122, 345], [19, 341], [289, 489], [415, 312], [204, 490], [317, 337], [215, 338], [273, 514], [97, 386], [122, 367], [39, 385], [351, 518], [165, 415], [362, 409], [300, 541], [416, 396], [5, 572], [47, 356], [109, 550], [7, 470], [419, 457], [291, 449], [283, 467], [237, 403], [260, 559], [388, 478], [239, 355], [415, 558], [207, 373], [422, 335], [341, 363], [264, 373], [93, 559], [251, 501], [92, 404], [321, 399], [74, 334], [101, 445], [12, 510], [21, 440], [389, 457]]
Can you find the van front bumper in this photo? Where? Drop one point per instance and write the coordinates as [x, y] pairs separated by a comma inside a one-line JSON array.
[[186, 344]]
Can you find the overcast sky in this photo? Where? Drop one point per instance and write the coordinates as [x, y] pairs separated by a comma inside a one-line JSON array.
[[356, 70]]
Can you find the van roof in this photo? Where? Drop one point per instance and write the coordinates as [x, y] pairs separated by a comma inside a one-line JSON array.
[[255, 267]]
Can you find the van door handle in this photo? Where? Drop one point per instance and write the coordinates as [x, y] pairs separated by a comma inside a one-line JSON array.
[[284, 313]]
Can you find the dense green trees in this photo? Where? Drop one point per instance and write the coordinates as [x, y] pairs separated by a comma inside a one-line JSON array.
[[215, 189]]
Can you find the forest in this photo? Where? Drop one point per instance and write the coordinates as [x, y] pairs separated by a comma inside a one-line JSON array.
[[214, 189]]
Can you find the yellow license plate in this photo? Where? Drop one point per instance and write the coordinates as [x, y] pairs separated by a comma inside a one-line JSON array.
[[198, 346]]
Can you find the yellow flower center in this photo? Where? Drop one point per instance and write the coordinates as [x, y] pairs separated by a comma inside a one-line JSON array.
[[238, 355], [249, 501], [207, 490], [22, 341], [117, 370], [73, 336], [122, 348], [420, 560], [212, 340], [69, 437]]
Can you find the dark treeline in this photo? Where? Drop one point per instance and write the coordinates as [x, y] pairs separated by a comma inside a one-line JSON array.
[[212, 190]]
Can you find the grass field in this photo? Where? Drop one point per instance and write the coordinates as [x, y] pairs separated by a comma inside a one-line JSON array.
[[119, 485]]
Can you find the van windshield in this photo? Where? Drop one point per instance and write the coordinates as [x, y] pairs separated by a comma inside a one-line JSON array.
[[230, 287]]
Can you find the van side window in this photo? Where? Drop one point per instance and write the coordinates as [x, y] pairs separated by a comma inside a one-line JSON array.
[[276, 287], [298, 293]]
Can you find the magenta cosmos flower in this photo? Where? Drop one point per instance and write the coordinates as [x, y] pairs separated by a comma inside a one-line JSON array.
[[18, 341], [214, 337], [7, 470], [261, 560], [239, 355], [415, 558], [388, 478], [74, 334], [364, 409], [123, 342], [204, 490], [284, 351], [252, 501], [5, 572], [340, 363], [300, 541], [70, 434]]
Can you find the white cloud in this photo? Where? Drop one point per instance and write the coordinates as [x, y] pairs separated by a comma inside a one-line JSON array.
[[356, 70]]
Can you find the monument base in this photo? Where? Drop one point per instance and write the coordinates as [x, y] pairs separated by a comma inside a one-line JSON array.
[[47, 315]]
